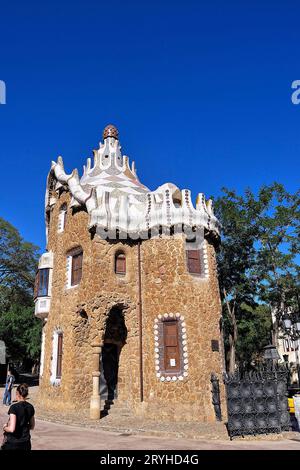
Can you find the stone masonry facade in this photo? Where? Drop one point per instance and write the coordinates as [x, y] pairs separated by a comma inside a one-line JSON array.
[[167, 288]]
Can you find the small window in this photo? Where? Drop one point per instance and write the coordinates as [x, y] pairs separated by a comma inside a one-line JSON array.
[[59, 355], [120, 264], [76, 268], [194, 261], [62, 218], [41, 283]]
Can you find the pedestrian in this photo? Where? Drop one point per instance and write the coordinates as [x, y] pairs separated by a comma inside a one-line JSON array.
[[10, 380], [21, 421]]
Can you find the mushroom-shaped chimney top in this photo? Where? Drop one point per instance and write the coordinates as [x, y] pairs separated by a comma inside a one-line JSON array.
[[110, 131]]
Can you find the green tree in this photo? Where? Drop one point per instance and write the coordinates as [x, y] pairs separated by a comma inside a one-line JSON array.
[[17, 258], [20, 330], [236, 258], [258, 266], [254, 328], [277, 219]]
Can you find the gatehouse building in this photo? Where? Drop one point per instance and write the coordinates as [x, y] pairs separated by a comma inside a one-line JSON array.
[[128, 293]]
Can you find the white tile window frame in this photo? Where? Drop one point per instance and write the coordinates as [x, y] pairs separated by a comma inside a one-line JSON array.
[[203, 258], [69, 273], [162, 375], [42, 358], [53, 379], [61, 220]]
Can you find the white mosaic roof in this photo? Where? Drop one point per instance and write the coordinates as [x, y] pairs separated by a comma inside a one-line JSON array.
[[116, 200]]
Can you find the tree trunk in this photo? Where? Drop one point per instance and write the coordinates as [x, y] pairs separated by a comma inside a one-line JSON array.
[[275, 326], [35, 367], [233, 335], [231, 366]]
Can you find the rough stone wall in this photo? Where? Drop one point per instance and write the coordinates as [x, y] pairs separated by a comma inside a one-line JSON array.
[[100, 289], [167, 287]]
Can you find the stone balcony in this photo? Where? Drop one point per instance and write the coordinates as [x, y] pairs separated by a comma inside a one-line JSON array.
[[42, 307]]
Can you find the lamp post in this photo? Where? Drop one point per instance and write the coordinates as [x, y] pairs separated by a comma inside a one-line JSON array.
[[291, 324], [271, 353]]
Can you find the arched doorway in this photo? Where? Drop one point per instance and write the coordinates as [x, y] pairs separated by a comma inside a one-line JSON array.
[[114, 339]]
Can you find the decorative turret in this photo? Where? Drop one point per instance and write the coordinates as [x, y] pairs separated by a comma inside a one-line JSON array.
[[116, 200], [110, 131]]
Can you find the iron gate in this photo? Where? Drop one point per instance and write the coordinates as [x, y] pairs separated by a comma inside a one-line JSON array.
[[257, 401]]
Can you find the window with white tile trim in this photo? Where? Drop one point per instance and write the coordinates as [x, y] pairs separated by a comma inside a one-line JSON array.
[[62, 217], [74, 267], [197, 259], [162, 373]]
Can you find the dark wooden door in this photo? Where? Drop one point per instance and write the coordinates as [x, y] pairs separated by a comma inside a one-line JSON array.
[[171, 347]]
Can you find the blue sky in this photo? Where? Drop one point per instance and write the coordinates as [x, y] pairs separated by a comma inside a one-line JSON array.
[[199, 90]]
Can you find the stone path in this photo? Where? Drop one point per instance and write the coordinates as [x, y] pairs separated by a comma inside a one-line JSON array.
[[96, 436]]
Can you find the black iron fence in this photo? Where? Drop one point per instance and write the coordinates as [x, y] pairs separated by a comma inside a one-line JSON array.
[[257, 401], [216, 399]]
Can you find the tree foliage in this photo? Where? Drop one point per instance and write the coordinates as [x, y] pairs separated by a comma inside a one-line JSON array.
[[258, 265], [21, 333], [17, 258], [19, 328]]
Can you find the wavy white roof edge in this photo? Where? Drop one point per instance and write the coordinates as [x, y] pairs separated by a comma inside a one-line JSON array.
[[118, 201]]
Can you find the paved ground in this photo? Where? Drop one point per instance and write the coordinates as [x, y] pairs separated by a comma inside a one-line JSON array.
[[58, 436]]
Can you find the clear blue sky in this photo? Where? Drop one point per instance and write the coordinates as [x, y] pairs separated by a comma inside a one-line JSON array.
[[200, 92]]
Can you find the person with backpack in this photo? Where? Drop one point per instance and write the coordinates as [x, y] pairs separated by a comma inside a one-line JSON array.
[[21, 421], [10, 380]]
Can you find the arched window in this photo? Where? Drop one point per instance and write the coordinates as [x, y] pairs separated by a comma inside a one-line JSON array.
[[62, 218], [120, 263]]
